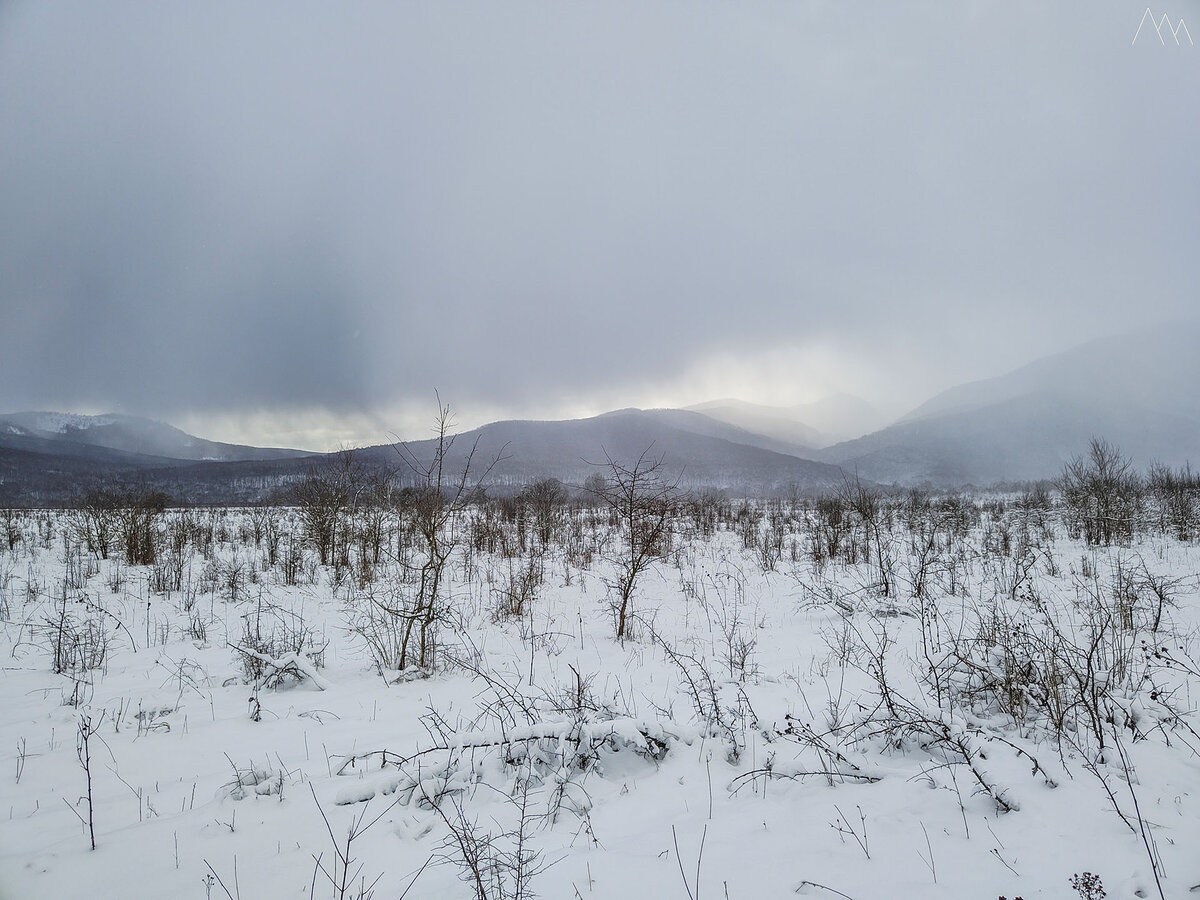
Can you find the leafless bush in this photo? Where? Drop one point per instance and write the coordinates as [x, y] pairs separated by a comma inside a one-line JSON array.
[[167, 574], [6, 576], [93, 522], [1040, 662], [78, 645], [12, 530], [872, 519], [1176, 498], [277, 646], [519, 587], [77, 568], [372, 616], [436, 511], [735, 621], [554, 738], [497, 864], [1102, 495], [345, 870], [722, 706], [325, 499], [137, 514], [1161, 592], [640, 497], [234, 574], [86, 730], [291, 563]]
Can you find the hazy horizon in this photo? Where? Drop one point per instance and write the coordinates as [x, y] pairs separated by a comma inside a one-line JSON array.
[[289, 228]]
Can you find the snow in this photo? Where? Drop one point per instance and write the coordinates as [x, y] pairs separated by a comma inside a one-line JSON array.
[[61, 423], [733, 746], [64, 423]]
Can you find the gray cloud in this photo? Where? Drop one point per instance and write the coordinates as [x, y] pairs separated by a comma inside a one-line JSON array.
[[262, 214]]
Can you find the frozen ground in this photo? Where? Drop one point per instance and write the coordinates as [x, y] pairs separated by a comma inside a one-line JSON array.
[[961, 702]]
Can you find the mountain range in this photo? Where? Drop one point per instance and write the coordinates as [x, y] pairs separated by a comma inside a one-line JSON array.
[[131, 438], [805, 426], [697, 452], [54, 466], [1138, 391]]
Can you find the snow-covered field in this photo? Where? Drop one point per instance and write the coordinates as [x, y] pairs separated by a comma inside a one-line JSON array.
[[958, 701]]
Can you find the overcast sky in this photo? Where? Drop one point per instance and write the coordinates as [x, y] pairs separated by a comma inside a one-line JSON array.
[[291, 223]]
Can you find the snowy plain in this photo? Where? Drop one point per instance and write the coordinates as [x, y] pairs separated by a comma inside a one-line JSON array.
[[779, 722]]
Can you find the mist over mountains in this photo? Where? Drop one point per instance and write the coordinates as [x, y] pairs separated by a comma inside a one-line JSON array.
[[1137, 391], [696, 451], [63, 433], [805, 425]]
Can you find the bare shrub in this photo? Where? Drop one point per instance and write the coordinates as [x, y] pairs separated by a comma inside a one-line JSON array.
[[519, 587], [640, 498], [372, 616], [500, 863], [436, 510], [1102, 495], [324, 498], [78, 645], [278, 647]]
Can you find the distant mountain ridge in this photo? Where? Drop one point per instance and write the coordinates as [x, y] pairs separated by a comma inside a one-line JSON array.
[[48, 458], [127, 434], [44, 461], [1139, 391], [698, 451], [803, 426], [771, 421]]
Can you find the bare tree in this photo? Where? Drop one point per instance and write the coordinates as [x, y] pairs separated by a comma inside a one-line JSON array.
[[267, 522], [94, 520], [325, 497], [435, 513], [545, 500], [137, 515], [1102, 494], [375, 521], [707, 507], [1176, 497], [866, 503], [641, 498], [119, 514], [11, 521]]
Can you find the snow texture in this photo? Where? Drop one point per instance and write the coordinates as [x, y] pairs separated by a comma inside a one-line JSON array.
[[773, 727]]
